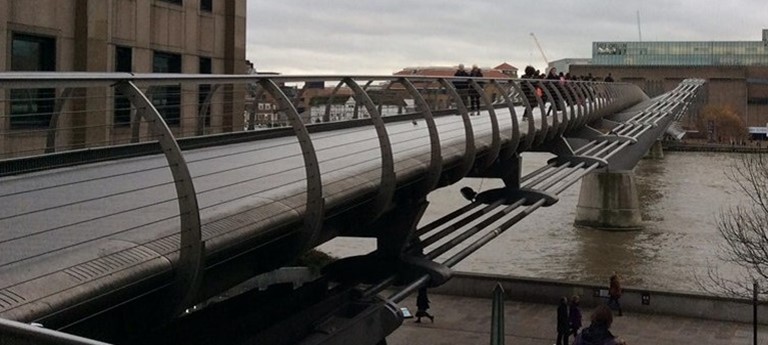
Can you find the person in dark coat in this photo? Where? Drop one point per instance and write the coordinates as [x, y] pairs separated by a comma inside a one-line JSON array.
[[422, 305], [574, 316], [562, 322], [474, 96], [528, 89], [462, 86], [614, 293], [598, 332]]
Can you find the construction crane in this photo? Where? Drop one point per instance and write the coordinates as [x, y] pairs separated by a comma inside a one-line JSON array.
[[540, 50]]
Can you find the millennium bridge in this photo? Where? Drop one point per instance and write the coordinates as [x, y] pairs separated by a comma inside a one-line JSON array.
[[130, 200]]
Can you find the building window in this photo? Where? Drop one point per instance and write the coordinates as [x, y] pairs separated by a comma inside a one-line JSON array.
[[123, 63], [32, 108], [204, 90], [206, 5], [176, 2], [167, 98]]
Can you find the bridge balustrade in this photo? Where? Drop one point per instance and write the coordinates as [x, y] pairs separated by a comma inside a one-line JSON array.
[[118, 184]]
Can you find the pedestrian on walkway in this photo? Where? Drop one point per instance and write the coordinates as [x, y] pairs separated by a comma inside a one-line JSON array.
[[474, 96], [574, 316], [562, 322], [614, 293], [422, 305], [597, 333], [462, 85]]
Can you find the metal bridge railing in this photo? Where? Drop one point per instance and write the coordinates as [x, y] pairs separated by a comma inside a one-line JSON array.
[[12, 333], [169, 201], [453, 237]]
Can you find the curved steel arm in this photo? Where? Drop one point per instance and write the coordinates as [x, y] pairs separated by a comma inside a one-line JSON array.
[[514, 141], [256, 94], [136, 118], [191, 246], [558, 124], [531, 131], [204, 109], [496, 140], [469, 135], [570, 97], [543, 132], [329, 103], [53, 124], [436, 157], [315, 210], [388, 177]]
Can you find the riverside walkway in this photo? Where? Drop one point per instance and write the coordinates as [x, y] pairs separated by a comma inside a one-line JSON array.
[[467, 320]]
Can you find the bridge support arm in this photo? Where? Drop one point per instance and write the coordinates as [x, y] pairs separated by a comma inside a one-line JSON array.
[[191, 248]]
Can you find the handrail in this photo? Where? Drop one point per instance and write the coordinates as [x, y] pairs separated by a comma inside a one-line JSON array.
[[29, 334]]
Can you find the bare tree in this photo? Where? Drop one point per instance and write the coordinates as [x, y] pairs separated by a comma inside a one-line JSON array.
[[728, 124], [745, 231]]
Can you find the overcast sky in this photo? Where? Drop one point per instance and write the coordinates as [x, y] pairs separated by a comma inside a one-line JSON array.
[[383, 36]]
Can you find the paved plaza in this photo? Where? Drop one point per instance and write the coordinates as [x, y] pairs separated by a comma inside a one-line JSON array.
[[466, 320]]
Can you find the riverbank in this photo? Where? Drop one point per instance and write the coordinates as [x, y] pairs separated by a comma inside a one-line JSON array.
[[633, 300], [467, 320], [703, 146]]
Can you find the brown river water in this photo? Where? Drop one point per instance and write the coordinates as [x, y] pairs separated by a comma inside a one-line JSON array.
[[680, 195]]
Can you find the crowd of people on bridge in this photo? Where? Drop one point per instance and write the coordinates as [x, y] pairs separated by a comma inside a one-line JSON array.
[[467, 92], [469, 95], [533, 73], [558, 86]]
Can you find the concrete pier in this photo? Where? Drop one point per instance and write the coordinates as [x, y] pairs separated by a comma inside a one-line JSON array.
[[656, 151], [609, 201]]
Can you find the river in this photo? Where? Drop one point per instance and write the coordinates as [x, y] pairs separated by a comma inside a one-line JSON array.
[[680, 195]]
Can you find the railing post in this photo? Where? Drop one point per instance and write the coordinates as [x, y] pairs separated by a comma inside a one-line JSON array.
[[388, 178], [53, 124], [204, 108], [436, 157], [329, 103], [515, 139], [531, 131], [469, 134], [497, 316], [191, 247], [495, 138], [543, 133], [315, 209], [754, 312]]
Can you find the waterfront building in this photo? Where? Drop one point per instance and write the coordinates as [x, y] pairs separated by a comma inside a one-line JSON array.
[[737, 72], [564, 65], [139, 36]]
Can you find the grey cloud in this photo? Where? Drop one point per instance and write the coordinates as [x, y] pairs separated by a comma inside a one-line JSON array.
[[380, 37]]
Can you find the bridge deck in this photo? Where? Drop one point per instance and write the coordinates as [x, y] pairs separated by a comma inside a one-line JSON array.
[[59, 219]]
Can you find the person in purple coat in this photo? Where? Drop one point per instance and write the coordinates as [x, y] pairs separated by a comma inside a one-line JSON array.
[[574, 316], [562, 322]]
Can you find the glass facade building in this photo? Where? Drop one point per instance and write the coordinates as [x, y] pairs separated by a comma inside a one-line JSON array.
[[739, 53]]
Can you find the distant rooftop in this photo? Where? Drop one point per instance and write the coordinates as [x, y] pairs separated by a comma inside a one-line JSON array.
[[683, 53]]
